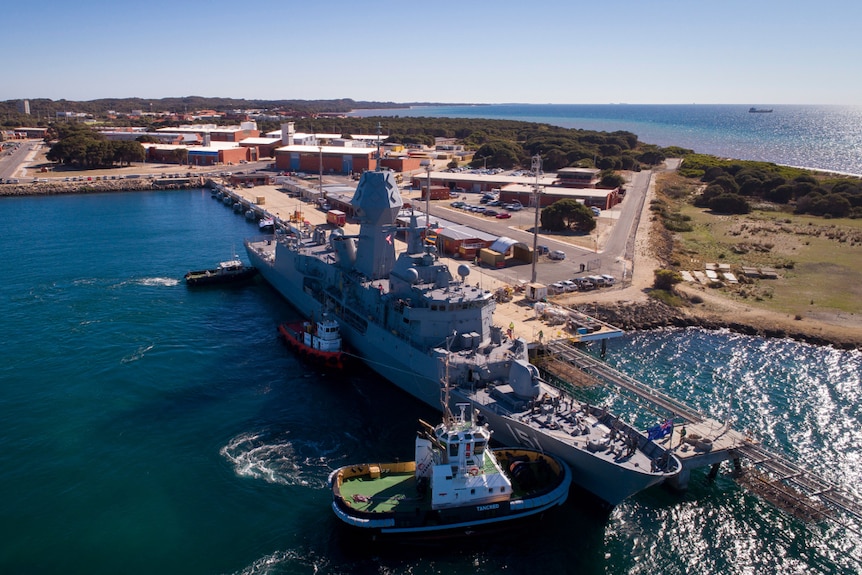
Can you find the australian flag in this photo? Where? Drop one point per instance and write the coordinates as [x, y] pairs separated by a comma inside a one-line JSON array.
[[659, 431]]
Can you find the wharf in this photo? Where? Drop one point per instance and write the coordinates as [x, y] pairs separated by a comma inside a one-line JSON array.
[[707, 442], [513, 310]]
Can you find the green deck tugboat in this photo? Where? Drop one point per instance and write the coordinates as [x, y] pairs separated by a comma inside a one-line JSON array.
[[456, 486]]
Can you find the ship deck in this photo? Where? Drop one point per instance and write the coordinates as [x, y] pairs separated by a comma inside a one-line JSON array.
[[384, 494], [569, 423]]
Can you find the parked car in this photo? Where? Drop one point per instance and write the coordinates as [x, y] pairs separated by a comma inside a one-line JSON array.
[[542, 249], [609, 280], [569, 285], [584, 284], [457, 204], [557, 255], [490, 212], [503, 216], [557, 287]]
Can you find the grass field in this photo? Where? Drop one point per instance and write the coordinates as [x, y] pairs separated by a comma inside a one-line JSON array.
[[819, 261]]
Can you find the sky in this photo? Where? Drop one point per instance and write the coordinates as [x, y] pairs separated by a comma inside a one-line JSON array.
[[756, 52]]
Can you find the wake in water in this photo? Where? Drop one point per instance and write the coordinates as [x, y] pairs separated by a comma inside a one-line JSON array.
[[276, 459], [138, 354], [283, 561], [166, 282]]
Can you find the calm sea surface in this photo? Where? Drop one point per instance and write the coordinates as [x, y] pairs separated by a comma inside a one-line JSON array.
[[150, 428], [821, 137]]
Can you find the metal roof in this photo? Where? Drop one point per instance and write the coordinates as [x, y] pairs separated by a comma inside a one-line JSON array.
[[332, 150], [503, 244]]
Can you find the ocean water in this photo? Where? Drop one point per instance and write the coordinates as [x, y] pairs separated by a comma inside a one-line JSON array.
[[819, 137], [150, 428]]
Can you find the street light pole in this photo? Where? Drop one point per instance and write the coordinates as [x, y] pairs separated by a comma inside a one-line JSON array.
[[428, 194], [320, 171], [537, 166]]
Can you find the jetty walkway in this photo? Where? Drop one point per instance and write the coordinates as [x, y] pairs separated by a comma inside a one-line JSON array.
[[707, 442]]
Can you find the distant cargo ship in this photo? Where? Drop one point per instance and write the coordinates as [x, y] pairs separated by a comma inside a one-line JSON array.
[[760, 110]]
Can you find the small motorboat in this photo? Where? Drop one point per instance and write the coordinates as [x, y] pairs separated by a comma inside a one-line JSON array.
[[232, 271]]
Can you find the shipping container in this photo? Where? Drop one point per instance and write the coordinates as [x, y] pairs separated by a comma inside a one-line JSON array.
[[336, 217]]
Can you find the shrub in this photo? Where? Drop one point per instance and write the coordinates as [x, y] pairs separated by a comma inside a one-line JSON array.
[[666, 279]]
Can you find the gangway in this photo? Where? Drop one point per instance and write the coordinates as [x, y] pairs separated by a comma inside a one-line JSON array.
[[776, 479]]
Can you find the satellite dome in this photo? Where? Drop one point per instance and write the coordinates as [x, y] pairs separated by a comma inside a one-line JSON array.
[[412, 275], [463, 270]]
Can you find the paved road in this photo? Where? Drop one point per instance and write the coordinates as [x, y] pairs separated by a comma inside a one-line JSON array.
[[613, 258], [9, 164]]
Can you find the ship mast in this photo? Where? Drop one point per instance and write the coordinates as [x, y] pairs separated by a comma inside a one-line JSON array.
[[448, 418]]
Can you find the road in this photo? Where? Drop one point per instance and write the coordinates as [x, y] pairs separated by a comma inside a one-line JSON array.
[[9, 164], [613, 258]]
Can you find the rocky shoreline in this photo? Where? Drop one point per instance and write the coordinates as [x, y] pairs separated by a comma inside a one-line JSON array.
[[96, 186], [654, 314]]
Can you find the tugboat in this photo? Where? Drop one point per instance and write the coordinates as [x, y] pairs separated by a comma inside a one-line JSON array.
[[232, 271], [318, 341], [456, 486], [266, 224]]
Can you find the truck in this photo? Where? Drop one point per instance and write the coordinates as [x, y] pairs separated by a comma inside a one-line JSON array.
[[336, 218]]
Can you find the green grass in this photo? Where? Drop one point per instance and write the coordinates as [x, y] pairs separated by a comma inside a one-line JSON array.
[[819, 260]]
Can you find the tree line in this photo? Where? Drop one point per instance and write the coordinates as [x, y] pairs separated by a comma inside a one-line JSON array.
[[507, 144], [80, 146], [733, 186]]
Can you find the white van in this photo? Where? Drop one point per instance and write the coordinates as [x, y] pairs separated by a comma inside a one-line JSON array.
[[609, 280]]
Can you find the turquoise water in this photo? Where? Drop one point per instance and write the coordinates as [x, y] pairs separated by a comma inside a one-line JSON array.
[[149, 428], [821, 137]]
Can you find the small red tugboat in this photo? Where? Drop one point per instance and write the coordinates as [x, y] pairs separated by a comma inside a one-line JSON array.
[[318, 341]]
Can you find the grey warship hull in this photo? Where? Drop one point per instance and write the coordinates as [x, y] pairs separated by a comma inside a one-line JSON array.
[[410, 321]]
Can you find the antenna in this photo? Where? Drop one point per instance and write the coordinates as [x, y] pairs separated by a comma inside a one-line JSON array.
[[379, 128], [444, 384]]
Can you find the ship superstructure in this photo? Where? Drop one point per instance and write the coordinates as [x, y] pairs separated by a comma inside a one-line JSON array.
[[406, 315]]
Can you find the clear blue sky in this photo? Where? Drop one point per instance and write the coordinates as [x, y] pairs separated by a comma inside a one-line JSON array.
[[554, 51]]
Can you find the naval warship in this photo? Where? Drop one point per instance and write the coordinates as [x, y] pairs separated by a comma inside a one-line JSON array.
[[411, 321]]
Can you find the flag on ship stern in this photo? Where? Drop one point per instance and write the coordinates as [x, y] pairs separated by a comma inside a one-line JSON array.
[[659, 431]]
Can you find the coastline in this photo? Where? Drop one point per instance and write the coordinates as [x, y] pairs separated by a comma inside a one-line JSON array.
[[629, 308], [97, 186], [651, 314], [632, 308]]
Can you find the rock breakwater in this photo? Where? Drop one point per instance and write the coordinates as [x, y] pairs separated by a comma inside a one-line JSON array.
[[654, 314], [97, 186]]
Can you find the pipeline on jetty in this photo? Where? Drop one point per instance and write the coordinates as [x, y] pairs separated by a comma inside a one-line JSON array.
[[709, 443]]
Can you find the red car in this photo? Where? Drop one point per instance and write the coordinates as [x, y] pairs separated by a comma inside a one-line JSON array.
[[504, 216]]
